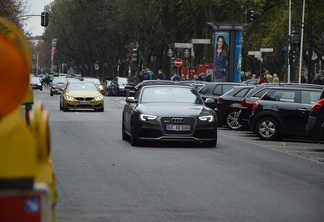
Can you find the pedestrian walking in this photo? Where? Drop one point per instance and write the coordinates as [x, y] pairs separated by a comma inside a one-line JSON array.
[[143, 76], [176, 77], [318, 80], [263, 78], [160, 75], [150, 74], [275, 78]]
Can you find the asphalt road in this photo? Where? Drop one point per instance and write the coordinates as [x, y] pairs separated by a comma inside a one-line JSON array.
[[100, 177]]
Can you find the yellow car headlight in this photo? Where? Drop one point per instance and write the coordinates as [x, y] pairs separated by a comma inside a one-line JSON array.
[[70, 98], [98, 98]]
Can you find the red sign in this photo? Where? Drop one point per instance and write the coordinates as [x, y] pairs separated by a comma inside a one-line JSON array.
[[178, 62], [21, 208]]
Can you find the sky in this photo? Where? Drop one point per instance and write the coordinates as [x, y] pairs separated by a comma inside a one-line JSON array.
[[33, 23]]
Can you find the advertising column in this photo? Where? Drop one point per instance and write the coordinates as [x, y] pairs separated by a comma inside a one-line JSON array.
[[227, 50]]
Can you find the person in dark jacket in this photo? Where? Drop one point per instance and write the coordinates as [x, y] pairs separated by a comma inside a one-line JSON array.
[[318, 80], [160, 75]]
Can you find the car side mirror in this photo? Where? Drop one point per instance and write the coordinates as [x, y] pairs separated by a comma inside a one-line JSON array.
[[209, 101], [131, 100]]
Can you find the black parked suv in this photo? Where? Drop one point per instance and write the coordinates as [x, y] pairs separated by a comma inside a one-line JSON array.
[[214, 90], [283, 111], [229, 104], [255, 94]]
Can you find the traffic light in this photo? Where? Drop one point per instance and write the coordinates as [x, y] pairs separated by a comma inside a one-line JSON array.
[[249, 15], [44, 19], [292, 56], [135, 55]]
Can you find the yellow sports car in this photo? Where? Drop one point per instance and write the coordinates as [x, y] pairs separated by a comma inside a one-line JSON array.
[[81, 95]]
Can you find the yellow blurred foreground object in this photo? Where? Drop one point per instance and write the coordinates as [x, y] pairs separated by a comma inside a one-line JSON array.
[[27, 179], [14, 67]]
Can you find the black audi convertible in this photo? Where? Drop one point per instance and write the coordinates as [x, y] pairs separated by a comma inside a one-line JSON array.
[[169, 113]]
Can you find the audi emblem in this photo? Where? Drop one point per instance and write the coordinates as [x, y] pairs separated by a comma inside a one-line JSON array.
[[177, 120]]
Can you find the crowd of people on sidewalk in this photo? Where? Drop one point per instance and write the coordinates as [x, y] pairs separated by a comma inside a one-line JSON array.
[[147, 74], [265, 77]]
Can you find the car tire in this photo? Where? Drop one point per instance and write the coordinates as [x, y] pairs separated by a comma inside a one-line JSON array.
[[268, 128], [65, 109], [133, 140], [51, 93], [231, 120], [61, 107], [124, 134]]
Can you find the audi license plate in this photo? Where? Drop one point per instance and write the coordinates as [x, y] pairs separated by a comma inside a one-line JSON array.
[[84, 102], [178, 127]]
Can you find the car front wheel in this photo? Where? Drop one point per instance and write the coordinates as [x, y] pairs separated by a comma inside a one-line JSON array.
[[268, 128], [65, 109], [124, 134], [133, 140], [232, 120]]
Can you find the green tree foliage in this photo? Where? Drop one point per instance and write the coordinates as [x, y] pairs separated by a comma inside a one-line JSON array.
[[105, 31], [13, 10]]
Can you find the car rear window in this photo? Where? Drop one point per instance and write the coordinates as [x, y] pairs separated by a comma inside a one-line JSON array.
[[310, 97], [206, 90]]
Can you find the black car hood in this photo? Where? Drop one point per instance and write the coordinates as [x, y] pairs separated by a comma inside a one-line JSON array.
[[172, 109]]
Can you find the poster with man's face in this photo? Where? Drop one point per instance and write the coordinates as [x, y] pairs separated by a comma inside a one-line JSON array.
[[221, 56]]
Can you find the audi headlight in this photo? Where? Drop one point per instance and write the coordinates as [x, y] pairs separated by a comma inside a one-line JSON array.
[[69, 97], [98, 98], [209, 118], [145, 117]]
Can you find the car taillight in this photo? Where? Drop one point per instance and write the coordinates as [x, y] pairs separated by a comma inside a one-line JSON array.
[[246, 104], [220, 101], [317, 106], [255, 106]]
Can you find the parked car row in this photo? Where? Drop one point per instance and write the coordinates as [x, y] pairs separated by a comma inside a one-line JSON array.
[[274, 111]]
